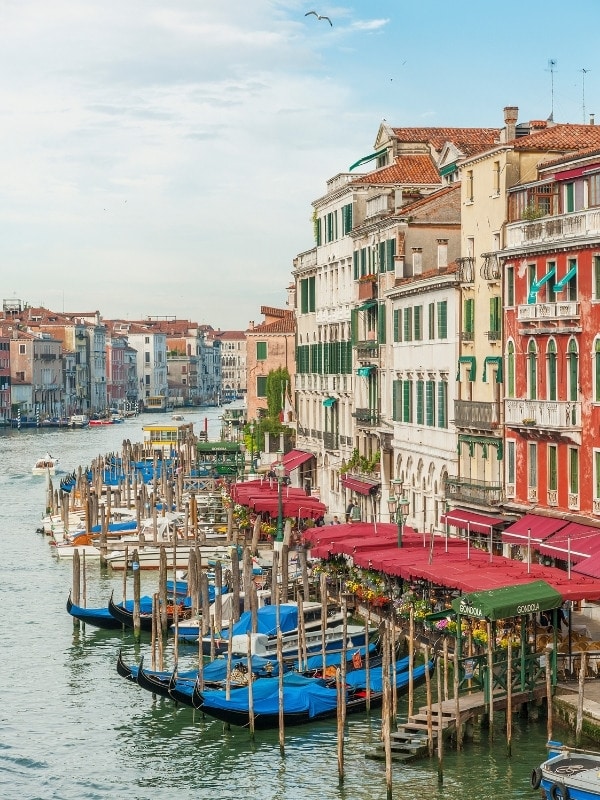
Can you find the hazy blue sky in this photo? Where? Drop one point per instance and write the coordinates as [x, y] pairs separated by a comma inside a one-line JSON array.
[[160, 158]]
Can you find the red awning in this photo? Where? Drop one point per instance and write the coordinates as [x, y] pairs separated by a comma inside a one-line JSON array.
[[533, 528], [360, 485], [294, 458], [589, 566], [574, 542], [468, 520]]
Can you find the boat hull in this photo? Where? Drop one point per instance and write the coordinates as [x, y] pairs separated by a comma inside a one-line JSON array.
[[568, 773]]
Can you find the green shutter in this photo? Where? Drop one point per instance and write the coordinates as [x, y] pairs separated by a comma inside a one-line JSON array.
[[318, 231], [261, 351], [418, 314], [420, 402], [407, 401], [408, 324], [431, 320], [311, 294], [381, 323], [396, 316], [382, 264], [442, 404], [442, 309], [390, 254], [552, 468], [430, 403], [304, 296], [355, 264], [354, 326], [469, 324], [574, 471], [396, 400], [495, 314]]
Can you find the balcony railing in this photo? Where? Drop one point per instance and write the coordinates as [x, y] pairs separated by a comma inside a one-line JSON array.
[[547, 414], [476, 414], [553, 229], [467, 336], [471, 490], [490, 269], [466, 269], [366, 417], [548, 311], [367, 349]]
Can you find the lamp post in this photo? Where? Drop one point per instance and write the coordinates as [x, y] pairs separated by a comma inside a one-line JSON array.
[[397, 505], [251, 447], [280, 475]]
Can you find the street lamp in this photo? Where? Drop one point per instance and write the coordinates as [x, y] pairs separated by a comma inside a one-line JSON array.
[[251, 446], [279, 470], [397, 505]]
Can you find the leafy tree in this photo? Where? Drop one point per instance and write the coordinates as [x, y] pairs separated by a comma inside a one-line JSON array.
[[278, 381]]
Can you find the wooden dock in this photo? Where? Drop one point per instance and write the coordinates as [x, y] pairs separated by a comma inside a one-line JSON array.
[[417, 737]]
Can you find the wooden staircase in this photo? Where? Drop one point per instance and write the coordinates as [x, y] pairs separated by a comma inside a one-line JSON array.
[[411, 740]]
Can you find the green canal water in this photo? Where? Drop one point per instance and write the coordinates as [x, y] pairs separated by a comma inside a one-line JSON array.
[[72, 729]]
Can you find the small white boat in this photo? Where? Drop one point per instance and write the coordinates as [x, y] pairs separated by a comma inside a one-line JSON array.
[[178, 417], [79, 421], [45, 466], [568, 773]]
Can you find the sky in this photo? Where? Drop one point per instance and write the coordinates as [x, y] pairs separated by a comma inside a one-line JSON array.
[[160, 158]]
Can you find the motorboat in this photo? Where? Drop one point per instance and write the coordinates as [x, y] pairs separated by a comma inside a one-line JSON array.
[[45, 466], [568, 773]]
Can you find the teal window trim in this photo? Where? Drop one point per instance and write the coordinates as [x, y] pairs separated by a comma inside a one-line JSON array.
[[472, 362], [558, 287], [366, 305], [537, 285], [484, 441], [364, 372], [366, 159], [329, 401], [494, 361]]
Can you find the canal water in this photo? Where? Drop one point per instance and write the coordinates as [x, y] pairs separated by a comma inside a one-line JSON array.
[[72, 729]]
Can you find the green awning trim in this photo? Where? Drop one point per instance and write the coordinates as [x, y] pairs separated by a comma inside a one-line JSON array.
[[484, 441], [364, 372], [563, 281], [537, 285], [366, 159], [509, 601], [494, 361], [448, 169], [367, 304], [472, 362], [329, 401]]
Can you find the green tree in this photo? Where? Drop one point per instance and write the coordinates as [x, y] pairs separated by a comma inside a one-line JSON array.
[[278, 382]]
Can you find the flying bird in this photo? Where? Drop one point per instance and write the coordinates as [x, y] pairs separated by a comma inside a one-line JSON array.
[[319, 16]]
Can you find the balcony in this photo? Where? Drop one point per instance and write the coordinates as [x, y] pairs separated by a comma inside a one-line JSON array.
[[366, 417], [466, 269], [476, 415], [331, 441], [367, 287], [537, 419], [467, 336], [367, 349], [552, 230], [548, 312], [471, 490], [490, 269]]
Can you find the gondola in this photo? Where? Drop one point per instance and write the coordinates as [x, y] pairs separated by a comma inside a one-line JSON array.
[[97, 617], [124, 614], [305, 700]]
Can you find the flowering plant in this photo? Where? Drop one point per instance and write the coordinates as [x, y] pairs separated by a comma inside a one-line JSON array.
[[480, 637], [367, 278]]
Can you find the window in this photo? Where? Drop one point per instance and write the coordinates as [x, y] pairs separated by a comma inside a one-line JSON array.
[[552, 468], [346, 219], [510, 461], [594, 190], [496, 177], [443, 404], [510, 369], [573, 470], [420, 402], [431, 320], [261, 351], [572, 284], [307, 295], [510, 286], [469, 321], [442, 319], [532, 371], [397, 324], [596, 474], [390, 254], [21, 349], [261, 386], [596, 278], [470, 186], [397, 401], [573, 370], [318, 231], [551, 357], [531, 277], [532, 465], [418, 315], [495, 317], [408, 324], [407, 411], [146, 358], [597, 371], [569, 197], [430, 403]]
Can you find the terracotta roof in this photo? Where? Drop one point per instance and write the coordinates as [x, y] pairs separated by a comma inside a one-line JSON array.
[[411, 169], [560, 137], [468, 140], [565, 159], [423, 201], [227, 335], [286, 322]]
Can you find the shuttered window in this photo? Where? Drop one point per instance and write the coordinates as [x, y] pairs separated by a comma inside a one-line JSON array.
[[420, 402], [408, 324], [431, 320], [442, 404], [469, 320], [407, 401], [573, 470], [381, 332], [390, 247], [430, 403], [261, 351], [495, 314], [552, 468], [418, 317], [396, 401], [442, 309], [397, 324]]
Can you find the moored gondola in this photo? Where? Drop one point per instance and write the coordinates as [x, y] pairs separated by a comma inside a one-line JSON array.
[[125, 615], [97, 617]]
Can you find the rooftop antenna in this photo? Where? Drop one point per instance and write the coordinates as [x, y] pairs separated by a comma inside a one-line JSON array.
[[551, 67], [584, 72]]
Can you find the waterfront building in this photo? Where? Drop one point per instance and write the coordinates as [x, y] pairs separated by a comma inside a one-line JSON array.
[[210, 378], [478, 487], [551, 268], [270, 345], [37, 368], [116, 376], [233, 363], [151, 361], [5, 400]]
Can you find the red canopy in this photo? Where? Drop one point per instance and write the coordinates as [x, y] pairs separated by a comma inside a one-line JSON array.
[[574, 542], [296, 506]]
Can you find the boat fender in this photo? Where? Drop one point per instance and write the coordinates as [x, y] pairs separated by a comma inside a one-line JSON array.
[[558, 791], [536, 778]]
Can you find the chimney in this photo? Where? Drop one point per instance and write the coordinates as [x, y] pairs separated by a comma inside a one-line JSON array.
[[592, 119], [442, 253], [511, 114], [251, 324], [417, 260]]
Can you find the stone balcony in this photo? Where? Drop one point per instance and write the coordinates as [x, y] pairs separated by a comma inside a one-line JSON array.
[[476, 415], [537, 419], [470, 490], [548, 312], [557, 229]]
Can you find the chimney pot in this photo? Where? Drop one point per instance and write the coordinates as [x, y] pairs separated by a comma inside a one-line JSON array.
[[511, 114], [592, 121]]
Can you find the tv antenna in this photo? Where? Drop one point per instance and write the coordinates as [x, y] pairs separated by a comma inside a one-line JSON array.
[[584, 72], [551, 67]]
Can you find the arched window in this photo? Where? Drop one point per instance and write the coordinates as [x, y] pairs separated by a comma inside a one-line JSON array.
[[510, 369], [532, 370], [573, 370], [597, 371], [551, 366]]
